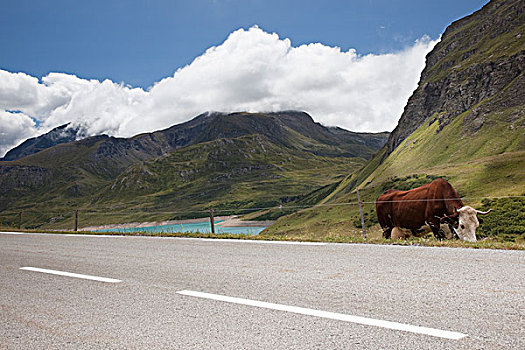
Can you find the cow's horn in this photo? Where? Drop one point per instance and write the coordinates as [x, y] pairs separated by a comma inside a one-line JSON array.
[[483, 212]]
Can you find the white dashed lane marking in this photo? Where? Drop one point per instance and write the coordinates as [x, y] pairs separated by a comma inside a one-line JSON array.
[[330, 315], [71, 274]]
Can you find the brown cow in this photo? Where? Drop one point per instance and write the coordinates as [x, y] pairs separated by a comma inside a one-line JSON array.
[[430, 204]]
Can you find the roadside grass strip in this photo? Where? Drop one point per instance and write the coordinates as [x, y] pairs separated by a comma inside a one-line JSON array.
[[92, 235], [258, 241], [71, 274], [329, 315]]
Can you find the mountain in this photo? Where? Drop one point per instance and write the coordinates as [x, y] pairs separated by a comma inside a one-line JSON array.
[[211, 126], [464, 122], [474, 71], [62, 134], [233, 160], [469, 107]]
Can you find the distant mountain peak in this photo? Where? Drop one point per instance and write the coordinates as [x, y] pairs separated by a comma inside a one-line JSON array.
[[61, 134]]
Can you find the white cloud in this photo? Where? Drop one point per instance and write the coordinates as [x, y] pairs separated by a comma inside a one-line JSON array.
[[252, 70], [101, 107], [15, 128]]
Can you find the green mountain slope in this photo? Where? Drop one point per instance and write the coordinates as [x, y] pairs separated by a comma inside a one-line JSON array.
[[245, 172], [464, 122]]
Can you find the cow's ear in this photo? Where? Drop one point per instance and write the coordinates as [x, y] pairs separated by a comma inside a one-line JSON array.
[[480, 220]]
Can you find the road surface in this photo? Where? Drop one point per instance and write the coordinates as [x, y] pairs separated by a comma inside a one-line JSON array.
[[85, 292]]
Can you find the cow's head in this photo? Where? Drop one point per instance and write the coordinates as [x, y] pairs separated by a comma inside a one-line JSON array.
[[468, 223]]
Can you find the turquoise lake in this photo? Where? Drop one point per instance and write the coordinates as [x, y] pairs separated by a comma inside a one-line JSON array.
[[202, 227]]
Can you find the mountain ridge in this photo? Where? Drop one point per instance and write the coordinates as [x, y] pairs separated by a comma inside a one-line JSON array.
[[204, 127]]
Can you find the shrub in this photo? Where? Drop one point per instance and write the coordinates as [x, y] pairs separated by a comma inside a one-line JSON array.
[[370, 218], [506, 222], [409, 182]]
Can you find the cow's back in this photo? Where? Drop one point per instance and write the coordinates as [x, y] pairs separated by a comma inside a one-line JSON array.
[[443, 198], [406, 209], [409, 207]]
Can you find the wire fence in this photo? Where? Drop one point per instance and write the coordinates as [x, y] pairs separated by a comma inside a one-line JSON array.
[[75, 219]]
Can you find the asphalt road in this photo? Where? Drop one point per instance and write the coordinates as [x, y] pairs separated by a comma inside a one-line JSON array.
[[478, 294]]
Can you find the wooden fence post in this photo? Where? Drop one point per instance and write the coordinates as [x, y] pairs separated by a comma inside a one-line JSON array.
[[212, 221], [361, 213], [76, 220], [19, 220]]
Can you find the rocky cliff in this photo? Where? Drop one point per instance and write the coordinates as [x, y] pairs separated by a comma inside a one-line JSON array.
[[476, 69]]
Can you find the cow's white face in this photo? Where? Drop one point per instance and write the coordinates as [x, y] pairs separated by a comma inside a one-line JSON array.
[[468, 223]]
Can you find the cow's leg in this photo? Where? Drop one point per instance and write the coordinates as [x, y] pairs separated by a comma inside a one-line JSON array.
[[435, 227], [455, 235], [417, 233], [386, 225]]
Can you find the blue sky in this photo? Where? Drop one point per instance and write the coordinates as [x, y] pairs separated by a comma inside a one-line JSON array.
[[141, 42], [127, 67]]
